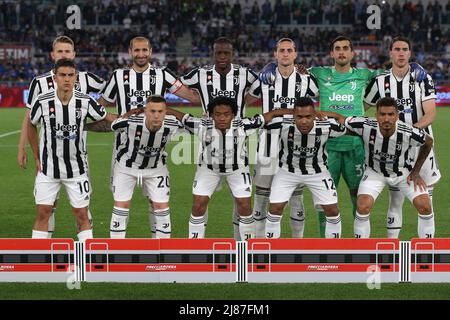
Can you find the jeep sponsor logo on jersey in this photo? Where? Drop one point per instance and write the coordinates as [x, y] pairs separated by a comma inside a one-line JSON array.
[[282, 99], [147, 151], [404, 103], [66, 127], [139, 93], [223, 93], [384, 156], [304, 152], [342, 97]]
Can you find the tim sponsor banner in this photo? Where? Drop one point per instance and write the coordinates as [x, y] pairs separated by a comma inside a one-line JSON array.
[[17, 97], [15, 52]]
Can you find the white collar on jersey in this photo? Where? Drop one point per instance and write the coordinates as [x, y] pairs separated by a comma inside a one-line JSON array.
[[283, 77]]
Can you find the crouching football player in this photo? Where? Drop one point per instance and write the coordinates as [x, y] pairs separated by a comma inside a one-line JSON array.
[[223, 154], [141, 159]]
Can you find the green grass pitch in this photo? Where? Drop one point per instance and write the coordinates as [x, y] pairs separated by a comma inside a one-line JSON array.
[[18, 211]]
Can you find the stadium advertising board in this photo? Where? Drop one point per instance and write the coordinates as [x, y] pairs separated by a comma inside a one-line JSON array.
[[15, 52]]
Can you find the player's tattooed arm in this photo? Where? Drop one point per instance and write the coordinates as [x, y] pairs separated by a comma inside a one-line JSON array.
[[268, 116], [249, 99], [301, 68], [98, 126], [177, 114], [105, 103], [323, 114], [105, 124], [188, 94]]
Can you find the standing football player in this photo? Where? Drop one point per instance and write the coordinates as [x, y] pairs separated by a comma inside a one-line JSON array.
[[86, 82], [288, 87], [129, 88], [60, 157], [222, 79], [416, 102]]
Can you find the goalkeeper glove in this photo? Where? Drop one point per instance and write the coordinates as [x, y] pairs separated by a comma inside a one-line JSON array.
[[268, 73], [418, 72]]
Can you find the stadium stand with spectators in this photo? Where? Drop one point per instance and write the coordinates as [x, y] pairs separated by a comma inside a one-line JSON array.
[[182, 32]]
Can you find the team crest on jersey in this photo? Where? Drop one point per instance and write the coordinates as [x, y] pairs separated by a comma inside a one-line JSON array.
[[317, 139], [208, 140], [78, 113], [353, 85], [77, 86], [152, 80], [372, 139], [412, 86], [236, 80], [164, 139], [298, 87], [398, 146]]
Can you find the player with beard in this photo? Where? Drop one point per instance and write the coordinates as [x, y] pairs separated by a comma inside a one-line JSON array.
[[130, 87]]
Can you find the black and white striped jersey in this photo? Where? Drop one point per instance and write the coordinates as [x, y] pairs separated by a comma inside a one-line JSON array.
[[305, 153], [62, 142], [393, 156], [87, 82], [210, 84], [130, 89], [142, 148], [282, 94], [223, 152], [408, 93]]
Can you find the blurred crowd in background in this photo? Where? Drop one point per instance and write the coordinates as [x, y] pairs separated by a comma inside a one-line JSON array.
[[183, 31]]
